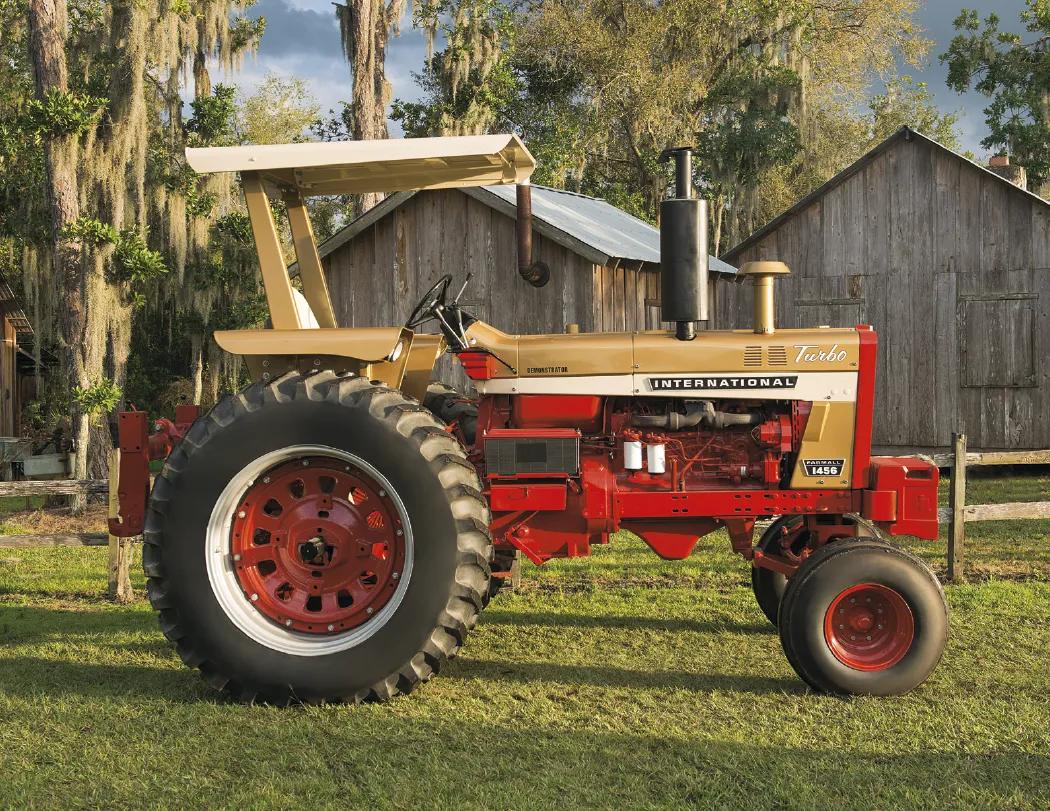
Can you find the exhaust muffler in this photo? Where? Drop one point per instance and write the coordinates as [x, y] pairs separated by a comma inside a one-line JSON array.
[[683, 250]]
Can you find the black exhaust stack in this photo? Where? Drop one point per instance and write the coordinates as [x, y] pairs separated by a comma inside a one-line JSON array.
[[535, 273], [683, 249]]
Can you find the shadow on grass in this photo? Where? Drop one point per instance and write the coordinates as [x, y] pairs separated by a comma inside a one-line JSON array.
[[29, 623], [493, 616], [607, 676], [83, 631]]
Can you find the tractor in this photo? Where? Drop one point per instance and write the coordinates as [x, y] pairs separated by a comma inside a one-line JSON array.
[[333, 531]]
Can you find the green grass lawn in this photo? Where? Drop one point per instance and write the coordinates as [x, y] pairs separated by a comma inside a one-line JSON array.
[[620, 681]]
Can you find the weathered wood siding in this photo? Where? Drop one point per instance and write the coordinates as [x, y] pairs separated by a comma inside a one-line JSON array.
[[9, 389], [952, 268], [379, 275]]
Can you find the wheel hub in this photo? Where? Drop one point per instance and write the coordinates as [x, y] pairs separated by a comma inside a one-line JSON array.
[[317, 545], [869, 627]]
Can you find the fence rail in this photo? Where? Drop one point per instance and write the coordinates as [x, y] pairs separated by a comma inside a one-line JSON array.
[[120, 549], [55, 487], [956, 515], [959, 513], [75, 539]]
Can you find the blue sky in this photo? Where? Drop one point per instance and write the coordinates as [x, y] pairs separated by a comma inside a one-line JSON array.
[[302, 39]]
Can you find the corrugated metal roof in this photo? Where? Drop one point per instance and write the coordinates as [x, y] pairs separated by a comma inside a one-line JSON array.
[[597, 223], [587, 225]]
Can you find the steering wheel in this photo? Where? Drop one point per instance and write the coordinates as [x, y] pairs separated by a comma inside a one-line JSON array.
[[424, 310]]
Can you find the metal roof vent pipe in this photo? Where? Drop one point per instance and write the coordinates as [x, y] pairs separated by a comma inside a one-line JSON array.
[[683, 249], [535, 273]]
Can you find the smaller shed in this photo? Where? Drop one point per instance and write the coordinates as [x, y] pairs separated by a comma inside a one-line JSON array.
[[604, 262], [17, 377]]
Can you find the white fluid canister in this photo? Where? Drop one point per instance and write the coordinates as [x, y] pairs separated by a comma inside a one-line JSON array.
[[632, 454], [655, 456]]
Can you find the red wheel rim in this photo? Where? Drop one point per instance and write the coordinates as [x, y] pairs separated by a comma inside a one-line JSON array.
[[318, 546], [869, 627]]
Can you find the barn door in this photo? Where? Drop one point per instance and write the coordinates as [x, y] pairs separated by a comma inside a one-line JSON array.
[[1002, 383]]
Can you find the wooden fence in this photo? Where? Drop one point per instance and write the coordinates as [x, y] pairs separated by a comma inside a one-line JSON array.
[[956, 515], [120, 549], [959, 513]]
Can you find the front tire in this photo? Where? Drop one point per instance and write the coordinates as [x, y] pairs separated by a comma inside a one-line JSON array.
[[317, 538], [787, 537], [863, 617]]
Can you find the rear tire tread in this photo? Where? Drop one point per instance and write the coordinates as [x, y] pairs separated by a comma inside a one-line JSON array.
[[440, 451]]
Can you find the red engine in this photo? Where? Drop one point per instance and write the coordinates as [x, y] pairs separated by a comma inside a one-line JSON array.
[[559, 467]]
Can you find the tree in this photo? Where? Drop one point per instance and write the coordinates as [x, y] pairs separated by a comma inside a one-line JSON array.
[[365, 26], [748, 82], [106, 114], [1015, 75], [907, 103], [468, 83], [278, 112]]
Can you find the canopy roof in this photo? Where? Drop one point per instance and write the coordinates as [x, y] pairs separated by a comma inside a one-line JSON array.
[[355, 167]]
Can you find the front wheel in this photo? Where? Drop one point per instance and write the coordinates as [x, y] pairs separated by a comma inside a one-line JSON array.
[[863, 617], [317, 538], [787, 537]]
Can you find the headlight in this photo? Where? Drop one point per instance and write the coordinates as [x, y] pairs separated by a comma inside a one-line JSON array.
[[397, 351]]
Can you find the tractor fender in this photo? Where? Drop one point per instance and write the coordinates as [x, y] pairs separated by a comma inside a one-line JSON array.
[[396, 356]]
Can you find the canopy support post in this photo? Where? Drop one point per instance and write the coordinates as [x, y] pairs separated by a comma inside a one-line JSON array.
[[283, 313], [315, 288]]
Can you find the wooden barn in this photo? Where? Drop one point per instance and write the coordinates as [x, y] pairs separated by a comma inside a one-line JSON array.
[[950, 262], [17, 377], [604, 263]]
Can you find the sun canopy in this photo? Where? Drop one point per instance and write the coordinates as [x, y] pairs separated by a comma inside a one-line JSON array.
[[355, 167]]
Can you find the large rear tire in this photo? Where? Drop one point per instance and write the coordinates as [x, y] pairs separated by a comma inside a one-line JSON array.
[[317, 538], [453, 407], [863, 617]]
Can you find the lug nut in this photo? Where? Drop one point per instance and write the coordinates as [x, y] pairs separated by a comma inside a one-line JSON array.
[[266, 479], [394, 576], [382, 493], [331, 627], [370, 610], [288, 623], [242, 514], [236, 557], [255, 597], [306, 462], [399, 532]]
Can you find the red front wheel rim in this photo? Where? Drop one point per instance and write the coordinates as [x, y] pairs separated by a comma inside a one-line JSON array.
[[317, 545], [869, 627]]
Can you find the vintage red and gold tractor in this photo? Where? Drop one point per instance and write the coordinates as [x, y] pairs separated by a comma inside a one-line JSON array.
[[333, 531]]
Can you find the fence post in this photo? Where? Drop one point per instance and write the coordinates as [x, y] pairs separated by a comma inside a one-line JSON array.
[[119, 548], [956, 502], [515, 572]]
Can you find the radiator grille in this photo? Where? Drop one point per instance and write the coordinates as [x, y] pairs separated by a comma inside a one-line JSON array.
[[514, 456]]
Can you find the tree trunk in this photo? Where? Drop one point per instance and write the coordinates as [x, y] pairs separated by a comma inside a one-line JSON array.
[[365, 28], [47, 30], [197, 366]]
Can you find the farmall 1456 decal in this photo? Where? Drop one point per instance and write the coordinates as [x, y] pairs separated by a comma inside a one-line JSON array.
[[823, 467]]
